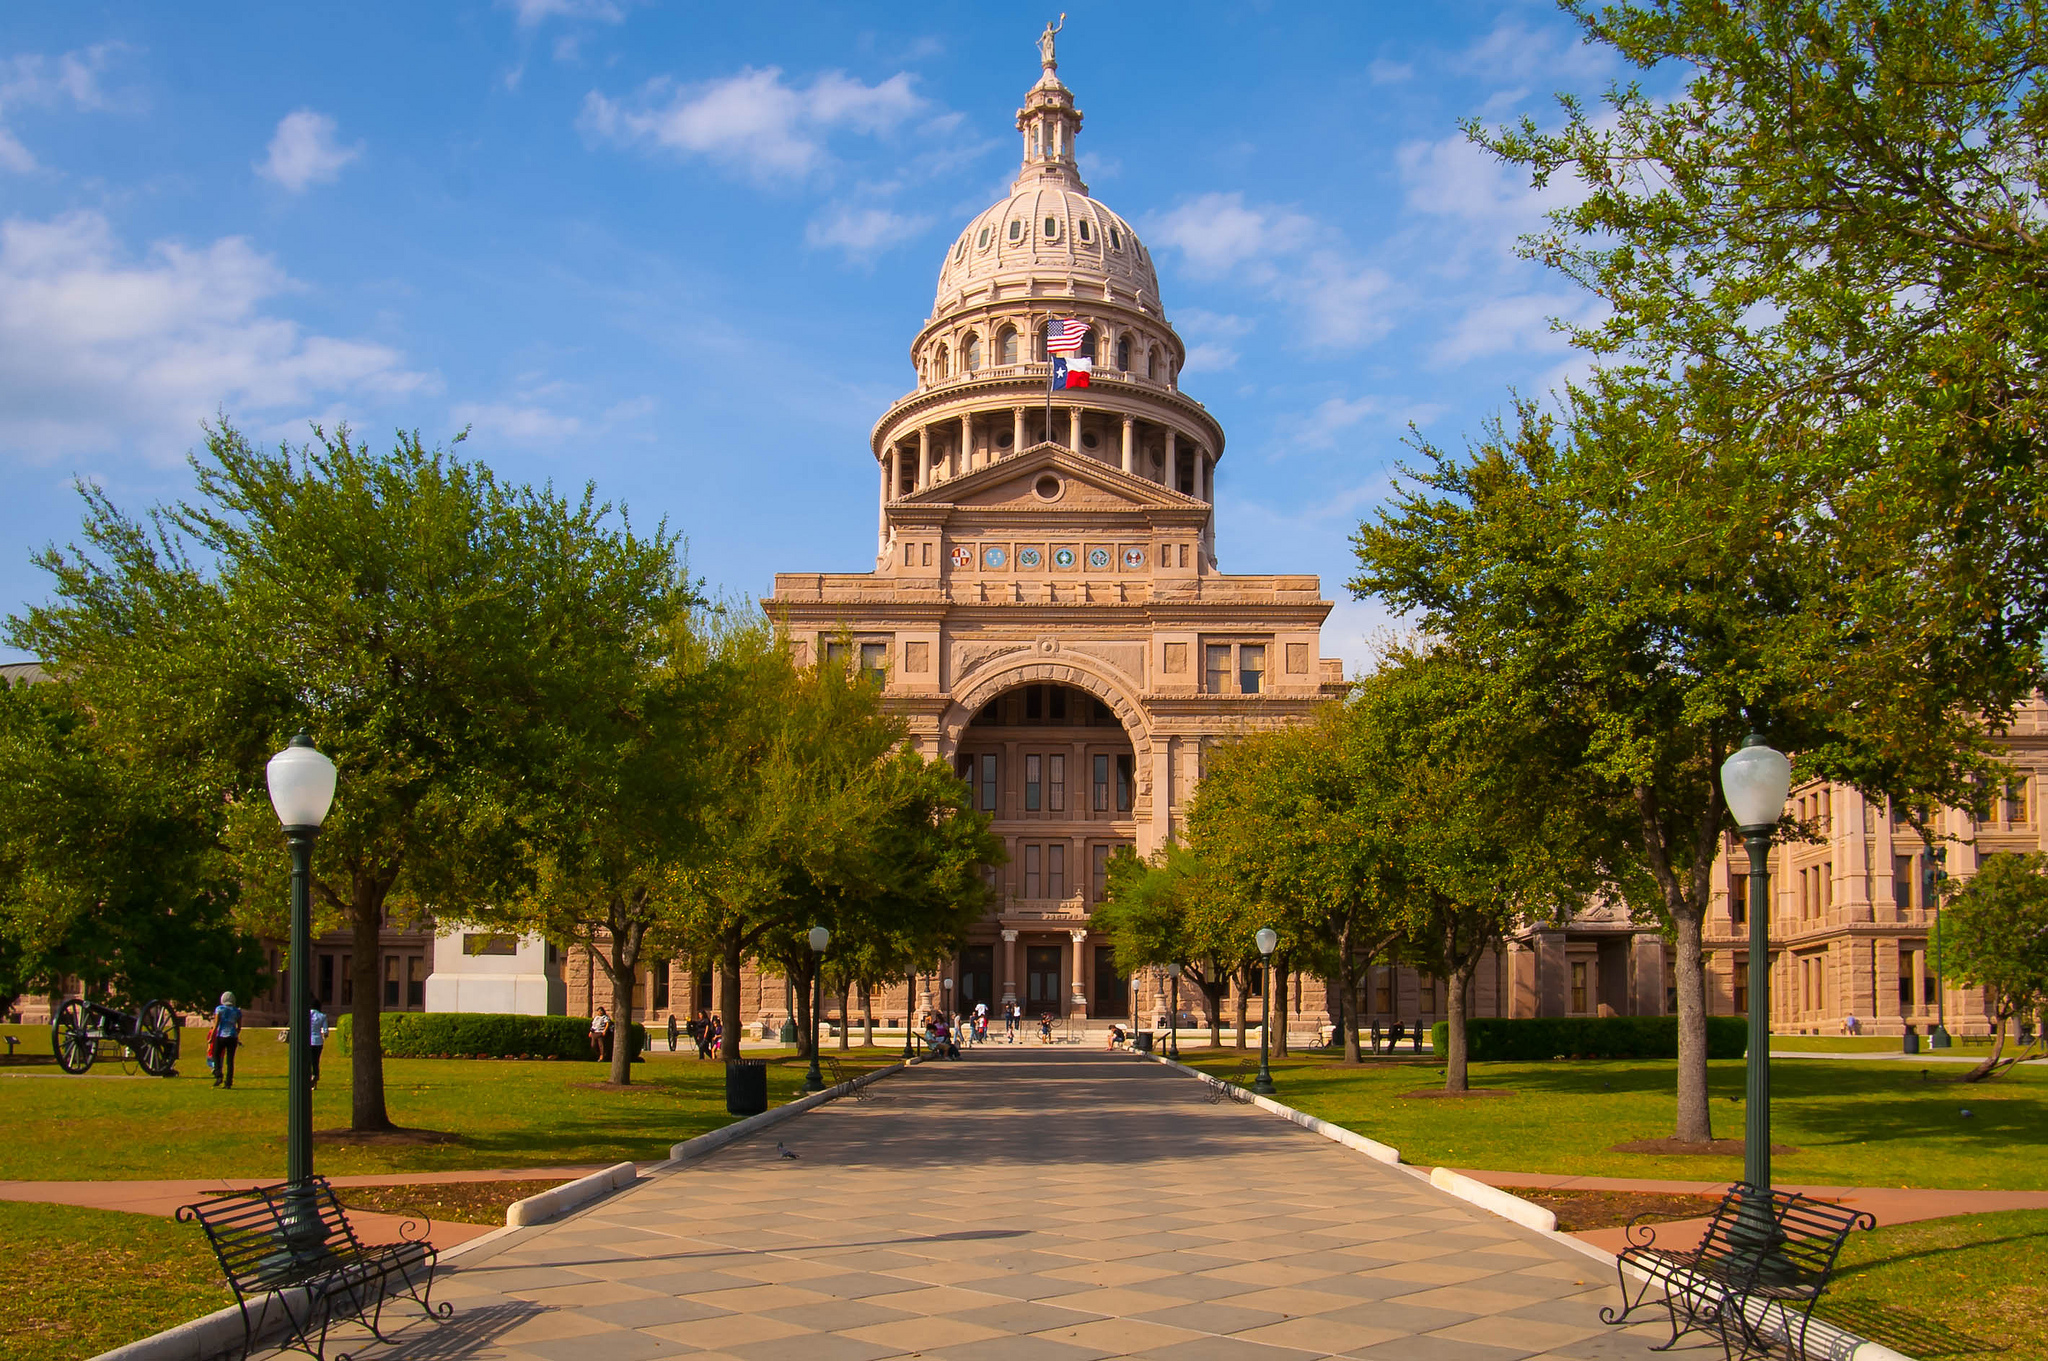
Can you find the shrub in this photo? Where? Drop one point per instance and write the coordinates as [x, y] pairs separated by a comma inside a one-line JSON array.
[[462, 1034], [1522, 1039]]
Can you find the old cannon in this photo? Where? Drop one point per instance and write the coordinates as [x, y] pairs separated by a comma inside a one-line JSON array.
[[83, 1032]]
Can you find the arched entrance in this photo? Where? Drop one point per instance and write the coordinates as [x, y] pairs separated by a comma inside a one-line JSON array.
[[1062, 772]]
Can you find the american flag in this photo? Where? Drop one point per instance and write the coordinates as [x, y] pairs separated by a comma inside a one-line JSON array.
[[1065, 335]]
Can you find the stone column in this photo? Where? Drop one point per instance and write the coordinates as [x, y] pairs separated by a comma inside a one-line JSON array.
[[1172, 459], [1079, 1000], [966, 459], [924, 457], [895, 472], [1074, 428], [1162, 799], [1130, 439], [1016, 429], [882, 509], [1009, 967]]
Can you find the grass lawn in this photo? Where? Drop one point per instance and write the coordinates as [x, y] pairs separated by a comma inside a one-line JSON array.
[[1949, 1287], [1854, 1124], [1973, 1045], [504, 1113], [82, 1281]]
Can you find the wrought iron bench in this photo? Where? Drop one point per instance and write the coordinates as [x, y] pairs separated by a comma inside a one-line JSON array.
[[1759, 1269], [1237, 1088], [297, 1249], [838, 1075]]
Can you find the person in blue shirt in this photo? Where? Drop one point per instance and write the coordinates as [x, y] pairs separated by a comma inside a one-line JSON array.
[[227, 1037], [316, 1033]]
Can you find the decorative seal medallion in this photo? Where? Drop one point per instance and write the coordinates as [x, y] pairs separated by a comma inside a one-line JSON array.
[[1027, 557], [963, 556], [1063, 557], [1134, 557], [1098, 557], [993, 557]]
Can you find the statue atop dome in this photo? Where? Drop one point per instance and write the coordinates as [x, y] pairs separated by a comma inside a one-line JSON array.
[[1047, 57]]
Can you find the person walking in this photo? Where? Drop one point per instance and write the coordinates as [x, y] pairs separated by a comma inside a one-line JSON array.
[[717, 1038], [316, 1037], [601, 1036], [705, 1032], [227, 1037], [671, 1032]]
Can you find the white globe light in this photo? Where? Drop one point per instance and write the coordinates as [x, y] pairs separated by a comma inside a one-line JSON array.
[[301, 784], [1267, 938], [1755, 781], [820, 938]]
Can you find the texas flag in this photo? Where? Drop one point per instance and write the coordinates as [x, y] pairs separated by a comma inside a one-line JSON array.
[[1071, 373]]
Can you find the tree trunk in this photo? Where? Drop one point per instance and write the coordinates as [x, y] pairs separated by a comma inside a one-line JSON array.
[[1990, 1065], [1212, 993], [1244, 987], [729, 996], [1347, 987], [846, 1016], [622, 963], [1695, 1123], [1458, 986], [867, 1016], [1279, 1032], [366, 1033], [806, 1024]]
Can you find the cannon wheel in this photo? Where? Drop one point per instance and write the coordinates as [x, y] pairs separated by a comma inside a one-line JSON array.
[[156, 1039], [71, 1037]]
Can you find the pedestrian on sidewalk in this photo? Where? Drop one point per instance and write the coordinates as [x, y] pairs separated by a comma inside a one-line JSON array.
[[601, 1036], [227, 1037], [1851, 1026], [316, 1038], [1045, 1028], [671, 1032], [717, 1038]]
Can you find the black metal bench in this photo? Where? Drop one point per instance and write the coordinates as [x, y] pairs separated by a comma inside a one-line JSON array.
[[1237, 1088], [1759, 1269], [297, 1249], [840, 1077]]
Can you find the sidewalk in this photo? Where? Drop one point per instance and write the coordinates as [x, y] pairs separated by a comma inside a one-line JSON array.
[[1887, 1204], [164, 1197]]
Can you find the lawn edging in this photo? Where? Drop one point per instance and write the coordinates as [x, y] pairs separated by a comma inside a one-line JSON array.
[[1823, 1339], [559, 1200], [691, 1149]]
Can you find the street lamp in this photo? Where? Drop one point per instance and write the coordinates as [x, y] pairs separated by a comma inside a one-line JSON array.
[[909, 1009], [1930, 896], [1755, 781], [301, 791], [814, 1081], [1173, 1031], [1266, 939]]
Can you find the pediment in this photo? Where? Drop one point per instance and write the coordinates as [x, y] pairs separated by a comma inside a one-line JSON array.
[[1084, 484]]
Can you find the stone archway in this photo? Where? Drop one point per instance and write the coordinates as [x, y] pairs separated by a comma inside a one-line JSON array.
[[1059, 669]]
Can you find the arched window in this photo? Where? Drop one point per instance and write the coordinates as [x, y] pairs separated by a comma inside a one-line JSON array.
[[1087, 232], [1006, 346], [1052, 228], [1016, 229], [1123, 354], [1116, 239], [1152, 364], [981, 242], [970, 353], [939, 365], [1038, 345], [1088, 346]]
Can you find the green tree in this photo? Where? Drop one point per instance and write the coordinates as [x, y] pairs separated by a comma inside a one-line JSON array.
[[110, 869], [1994, 936], [421, 619], [1174, 911]]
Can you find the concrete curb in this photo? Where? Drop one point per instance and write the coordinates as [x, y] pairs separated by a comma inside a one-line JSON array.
[[691, 1149], [559, 1200], [1824, 1341]]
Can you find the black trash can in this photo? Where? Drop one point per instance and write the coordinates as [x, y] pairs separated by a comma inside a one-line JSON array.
[[1912, 1040], [1144, 1042], [746, 1087]]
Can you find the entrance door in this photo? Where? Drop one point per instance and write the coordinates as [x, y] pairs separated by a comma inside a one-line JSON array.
[[1042, 980], [1112, 996], [978, 978]]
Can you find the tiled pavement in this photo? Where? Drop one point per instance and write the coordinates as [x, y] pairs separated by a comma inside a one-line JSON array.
[[1028, 1204]]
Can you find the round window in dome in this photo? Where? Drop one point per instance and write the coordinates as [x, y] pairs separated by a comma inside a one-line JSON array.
[[1016, 229], [1003, 440], [1116, 239], [1052, 229], [1047, 488], [981, 242], [1088, 440], [1086, 231]]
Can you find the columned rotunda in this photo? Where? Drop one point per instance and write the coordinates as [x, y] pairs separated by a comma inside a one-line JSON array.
[[1046, 605]]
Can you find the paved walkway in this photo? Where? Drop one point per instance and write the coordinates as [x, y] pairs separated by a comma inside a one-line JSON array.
[[1028, 1204]]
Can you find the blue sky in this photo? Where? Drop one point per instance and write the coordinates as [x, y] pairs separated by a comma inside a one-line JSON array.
[[682, 251]]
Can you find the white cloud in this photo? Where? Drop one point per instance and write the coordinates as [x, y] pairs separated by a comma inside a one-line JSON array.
[[1332, 417], [99, 350], [1384, 72], [863, 233], [34, 80], [1217, 234], [1514, 54], [1288, 256], [518, 423], [753, 122], [531, 13], [1503, 325], [304, 152]]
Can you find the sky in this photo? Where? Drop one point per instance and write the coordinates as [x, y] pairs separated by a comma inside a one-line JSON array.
[[680, 252]]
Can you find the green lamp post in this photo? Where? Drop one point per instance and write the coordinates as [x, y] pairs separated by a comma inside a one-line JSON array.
[[301, 791], [1267, 939], [1755, 781], [814, 1081]]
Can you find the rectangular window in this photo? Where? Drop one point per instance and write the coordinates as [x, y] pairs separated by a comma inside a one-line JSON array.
[[2016, 800], [657, 988], [1426, 991], [1902, 881], [1827, 885], [874, 660], [1056, 870], [1031, 769], [1102, 784], [910, 555], [1251, 669], [1905, 979], [1383, 994], [415, 982], [326, 978], [1056, 781], [1031, 873], [835, 654], [1738, 899], [1059, 704], [1929, 994], [391, 982], [1123, 783], [1099, 855], [988, 781], [966, 768], [1741, 989], [1578, 988], [1218, 668]]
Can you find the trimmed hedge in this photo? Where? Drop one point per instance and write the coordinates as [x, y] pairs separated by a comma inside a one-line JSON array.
[[495, 1035], [1524, 1039]]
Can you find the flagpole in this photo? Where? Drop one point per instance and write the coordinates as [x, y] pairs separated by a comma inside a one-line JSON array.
[[1048, 376]]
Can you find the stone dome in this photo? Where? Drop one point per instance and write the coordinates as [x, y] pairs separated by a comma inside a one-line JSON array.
[[1047, 229]]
